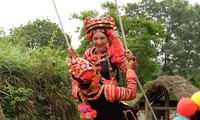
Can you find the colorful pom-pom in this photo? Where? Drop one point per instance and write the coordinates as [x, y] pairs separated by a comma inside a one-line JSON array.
[[181, 118], [89, 58], [92, 58], [83, 107], [88, 115], [86, 111], [93, 113], [119, 59], [99, 68], [114, 60], [82, 115], [196, 98], [109, 32], [89, 36], [186, 107]]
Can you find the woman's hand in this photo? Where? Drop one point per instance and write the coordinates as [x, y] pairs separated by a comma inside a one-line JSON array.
[[129, 55], [71, 53], [131, 61], [130, 65]]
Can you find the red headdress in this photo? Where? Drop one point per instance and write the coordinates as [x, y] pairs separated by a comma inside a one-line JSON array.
[[103, 24], [106, 25]]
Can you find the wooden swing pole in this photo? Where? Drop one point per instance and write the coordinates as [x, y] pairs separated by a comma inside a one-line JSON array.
[[124, 38]]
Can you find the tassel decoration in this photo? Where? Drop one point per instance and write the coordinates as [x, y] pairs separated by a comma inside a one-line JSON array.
[[89, 36], [87, 111], [92, 58]]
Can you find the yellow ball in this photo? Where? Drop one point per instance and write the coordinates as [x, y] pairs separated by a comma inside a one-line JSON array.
[[196, 98]]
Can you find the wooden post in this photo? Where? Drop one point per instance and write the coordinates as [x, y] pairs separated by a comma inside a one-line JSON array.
[[146, 112], [166, 105]]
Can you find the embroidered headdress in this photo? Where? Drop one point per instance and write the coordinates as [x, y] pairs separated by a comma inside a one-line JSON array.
[[105, 25], [102, 24], [86, 74], [79, 65], [81, 68]]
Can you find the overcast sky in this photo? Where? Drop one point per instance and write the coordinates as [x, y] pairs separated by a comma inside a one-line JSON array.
[[16, 12]]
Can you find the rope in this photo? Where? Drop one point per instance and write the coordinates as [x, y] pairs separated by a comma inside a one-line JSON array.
[[124, 38], [61, 24], [121, 25]]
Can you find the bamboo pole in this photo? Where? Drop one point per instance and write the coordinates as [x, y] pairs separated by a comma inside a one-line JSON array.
[[146, 111], [62, 28], [124, 38]]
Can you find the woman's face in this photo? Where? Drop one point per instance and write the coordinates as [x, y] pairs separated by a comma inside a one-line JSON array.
[[100, 41]]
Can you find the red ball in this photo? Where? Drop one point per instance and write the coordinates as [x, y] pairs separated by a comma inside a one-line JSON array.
[[186, 107]]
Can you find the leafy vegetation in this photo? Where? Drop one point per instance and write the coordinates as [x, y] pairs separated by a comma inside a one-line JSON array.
[[34, 83], [38, 33]]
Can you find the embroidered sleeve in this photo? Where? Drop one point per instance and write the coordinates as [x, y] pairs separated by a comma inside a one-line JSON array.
[[122, 65], [113, 92], [74, 89]]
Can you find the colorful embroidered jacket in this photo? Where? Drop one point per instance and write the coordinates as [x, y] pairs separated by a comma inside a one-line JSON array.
[[107, 101], [111, 60]]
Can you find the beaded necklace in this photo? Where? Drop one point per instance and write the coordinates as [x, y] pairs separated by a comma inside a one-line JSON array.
[[83, 98], [101, 57]]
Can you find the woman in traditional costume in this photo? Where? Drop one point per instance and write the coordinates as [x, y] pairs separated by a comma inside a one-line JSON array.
[[102, 100], [107, 51]]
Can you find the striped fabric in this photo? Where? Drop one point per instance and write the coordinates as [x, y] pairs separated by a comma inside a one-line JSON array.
[[114, 93]]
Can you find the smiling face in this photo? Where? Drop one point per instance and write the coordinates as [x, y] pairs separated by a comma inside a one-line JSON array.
[[100, 41]]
